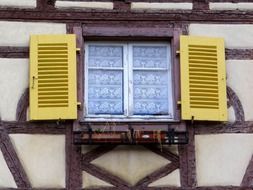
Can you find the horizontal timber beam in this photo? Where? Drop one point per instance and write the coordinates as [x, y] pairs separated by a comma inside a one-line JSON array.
[[116, 15]]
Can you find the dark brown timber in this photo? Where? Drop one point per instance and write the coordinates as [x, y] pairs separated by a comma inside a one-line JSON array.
[[12, 161]]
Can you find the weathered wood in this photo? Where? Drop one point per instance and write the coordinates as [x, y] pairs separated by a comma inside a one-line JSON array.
[[104, 175], [12, 161], [201, 188], [236, 104], [183, 165], [123, 31], [34, 127], [200, 5], [166, 170], [205, 16], [191, 161], [247, 180], [212, 128], [163, 152], [73, 162], [239, 54], [121, 5], [77, 30], [97, 152], [23, 103], [14, 52]]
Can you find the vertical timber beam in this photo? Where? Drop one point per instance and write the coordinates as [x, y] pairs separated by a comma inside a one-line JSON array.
[[187, 161], [73, 162]]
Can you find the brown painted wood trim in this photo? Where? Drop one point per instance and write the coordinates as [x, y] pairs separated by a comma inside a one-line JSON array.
[[133, 16], [176, 72], [200, 5], [211, 128], [77, 30], [239, 54], [201, 188], [247, 180], [121, 5], [166, 170], [97, 152], [33, 127], [14, 52], [33, 189], [123, 31], [99, 172], [73, 162], [235, 102], [183, 165], [191, 161], [12, 161], [104, 175], [164, 153], [23, 103]]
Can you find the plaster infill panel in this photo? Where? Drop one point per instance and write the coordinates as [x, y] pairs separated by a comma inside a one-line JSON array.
[[160, 6], [90, 181], [18, 33], [231, 6], [238, 36], [13, 82], [43, 158], [222, 159], [18, 3], [87, 5], [239, 78], [171, 180], [6, 178], [130, 163]]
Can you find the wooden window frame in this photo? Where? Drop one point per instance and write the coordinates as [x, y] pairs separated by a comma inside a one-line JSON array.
[[121, 33], [127, 69]]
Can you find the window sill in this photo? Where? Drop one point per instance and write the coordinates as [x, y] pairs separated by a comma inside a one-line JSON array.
[[129, 120]]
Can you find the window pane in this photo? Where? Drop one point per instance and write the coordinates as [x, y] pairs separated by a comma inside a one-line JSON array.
[[105, 56], [105, 92], [150, 94], [150, 56]]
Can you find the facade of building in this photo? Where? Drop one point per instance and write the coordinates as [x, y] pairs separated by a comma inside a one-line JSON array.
[[127, 131]]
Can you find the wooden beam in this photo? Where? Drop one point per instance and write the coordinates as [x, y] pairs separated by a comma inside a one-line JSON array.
[[34, 127], [164, 153], [104, 175], [73, 162], [166, 170], [66, 16], [212, 128], [247, 180], [23, 103], [239, 54], [13, 161], [14, 52], [97, 152]]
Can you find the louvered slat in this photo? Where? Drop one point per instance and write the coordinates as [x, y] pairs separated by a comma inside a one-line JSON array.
[[52, 77], [203, 86]]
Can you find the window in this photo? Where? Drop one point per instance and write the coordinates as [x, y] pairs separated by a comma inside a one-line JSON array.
[[128, 80]]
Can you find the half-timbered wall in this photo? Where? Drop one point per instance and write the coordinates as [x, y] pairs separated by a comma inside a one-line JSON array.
[[42, 155]]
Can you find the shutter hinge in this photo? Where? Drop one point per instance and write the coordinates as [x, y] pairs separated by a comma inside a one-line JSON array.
[[78, 49], [178, 102], [177, 52], [78, 104]]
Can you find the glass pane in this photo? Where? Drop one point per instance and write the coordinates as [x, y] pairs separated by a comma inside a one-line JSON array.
[[150, 92], [150, 56], [105, 56], [105, 92]]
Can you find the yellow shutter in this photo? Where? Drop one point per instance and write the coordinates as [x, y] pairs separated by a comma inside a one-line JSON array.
[[53, 91], [203, 78]]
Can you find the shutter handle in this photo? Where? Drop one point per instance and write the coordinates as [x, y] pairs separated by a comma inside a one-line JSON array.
[[33, 82]]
